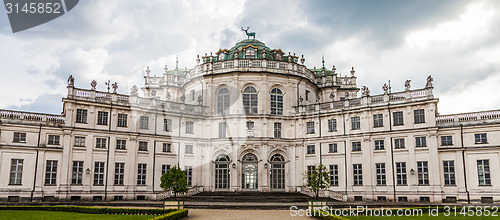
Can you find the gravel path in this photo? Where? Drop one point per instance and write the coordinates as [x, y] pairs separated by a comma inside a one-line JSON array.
[[222, 214]]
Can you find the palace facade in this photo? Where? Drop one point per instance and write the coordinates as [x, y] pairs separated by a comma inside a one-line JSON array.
[[250, 118]]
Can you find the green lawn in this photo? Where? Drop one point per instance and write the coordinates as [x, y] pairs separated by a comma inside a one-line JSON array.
[[424, 217], [38, 215]]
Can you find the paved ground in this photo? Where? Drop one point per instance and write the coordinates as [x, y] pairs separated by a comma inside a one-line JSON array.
[[223, 214]]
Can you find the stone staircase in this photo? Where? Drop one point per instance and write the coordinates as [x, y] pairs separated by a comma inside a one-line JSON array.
[[246, 200]]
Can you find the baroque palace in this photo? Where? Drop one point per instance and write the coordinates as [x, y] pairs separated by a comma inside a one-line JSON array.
[[250, 118]]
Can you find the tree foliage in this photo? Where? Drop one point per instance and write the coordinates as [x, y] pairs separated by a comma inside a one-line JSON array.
[[318, 179], [174, 180]]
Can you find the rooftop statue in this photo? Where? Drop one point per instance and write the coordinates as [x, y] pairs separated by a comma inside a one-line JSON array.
[[429, 82], [251, 34]]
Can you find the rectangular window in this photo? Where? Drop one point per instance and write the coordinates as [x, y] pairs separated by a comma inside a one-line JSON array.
[[167, 147], [380, 172], [189, 127], [420, 142], [16, 171], [51, 172], [379, 145], [307, 95], [277, 130], [141, 174], [480, 138], [446, 140], [19, 137], [53, 140], [122, 120], [419, 116], [99, 173], [100, 142], [121, 144], [144, 122], [334, 175], [332, 148], [356, 146], [77, 173], [398, 118], [332, 125], [81, 116], [310, 127], [483, 172], [310, 171], [167, 125], [399, 143], [189, 175], [357, 171], [401, 173], [355, 123], [143, 146], [378, 120], [189, 149], [102, 118], [449, 172], [423, 172], [79, 141], [222, 130], [164, 168], [119, 173], [250, 128], [311, 149]]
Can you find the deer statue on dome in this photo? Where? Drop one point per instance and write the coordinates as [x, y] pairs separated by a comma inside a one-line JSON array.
[[251, 34]]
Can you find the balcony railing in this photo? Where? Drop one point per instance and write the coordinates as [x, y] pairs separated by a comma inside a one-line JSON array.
[[377, 100], [31, 118], [483, 117], [135, 101]]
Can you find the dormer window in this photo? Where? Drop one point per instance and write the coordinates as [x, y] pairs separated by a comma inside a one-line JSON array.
[[221, 56], [250, 53], [279, 56]]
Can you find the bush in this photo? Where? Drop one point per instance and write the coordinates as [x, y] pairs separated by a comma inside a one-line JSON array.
[[180, 213], [92, 210], [326, 216]]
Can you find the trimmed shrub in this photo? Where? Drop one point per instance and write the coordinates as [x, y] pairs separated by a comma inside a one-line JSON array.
[[180, 213], [326, 216], [91, 210]]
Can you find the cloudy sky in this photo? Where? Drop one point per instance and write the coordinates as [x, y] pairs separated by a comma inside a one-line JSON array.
[[457, 42]]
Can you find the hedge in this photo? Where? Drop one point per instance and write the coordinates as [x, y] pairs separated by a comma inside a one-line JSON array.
[[326, 215], [173, 215], [93, 210]]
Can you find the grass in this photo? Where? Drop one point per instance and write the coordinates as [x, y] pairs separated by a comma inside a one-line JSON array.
[[424, 217], [39, 215]]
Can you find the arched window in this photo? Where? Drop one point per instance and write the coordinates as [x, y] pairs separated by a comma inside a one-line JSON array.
[[221, 56], [250, 102], [276, 102], [222, 175], [277, 175], [223, 101], [250, 53], [249, 174]]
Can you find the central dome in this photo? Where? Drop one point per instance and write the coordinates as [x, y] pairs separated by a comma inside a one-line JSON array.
[[247, 42]]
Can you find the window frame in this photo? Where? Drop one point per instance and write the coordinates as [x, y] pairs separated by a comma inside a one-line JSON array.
[[141, 174], [447, 140], [355, 123], [310, 127], [144, 122], [449, 173], [380, 174], [19, 137], [51, 172], [122, 120], [102, 118], [423, 173], [378, 120], [356, 146], [250, 98], [276, 101], [311, 149], [81, 116], [401, 174], [419, 116], [421, 141], [398, 118]]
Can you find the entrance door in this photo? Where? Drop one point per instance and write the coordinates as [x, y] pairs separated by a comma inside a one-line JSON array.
[[277, 172], [222, 172], [249, 172]]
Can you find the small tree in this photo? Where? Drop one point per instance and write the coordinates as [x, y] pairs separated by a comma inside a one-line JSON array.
[[318, 179], [174, 180]]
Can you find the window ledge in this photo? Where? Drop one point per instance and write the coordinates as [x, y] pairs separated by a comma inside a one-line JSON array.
[[485, 185]]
